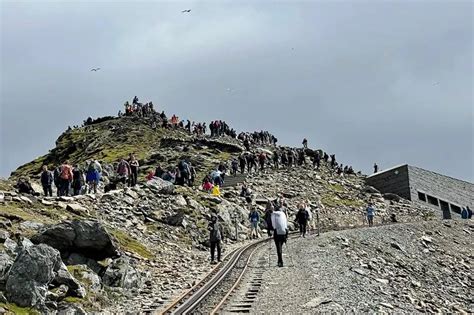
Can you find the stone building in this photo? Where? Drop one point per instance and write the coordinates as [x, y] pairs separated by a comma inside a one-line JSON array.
[[443, 192]]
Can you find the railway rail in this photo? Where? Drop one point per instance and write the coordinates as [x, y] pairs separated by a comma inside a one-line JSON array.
[[192, 300]]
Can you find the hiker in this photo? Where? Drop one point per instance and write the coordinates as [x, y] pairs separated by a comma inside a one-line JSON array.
[[57, 180], [305, 143], [310, 224], [78, 180], [280, 228], [333, 160], [370, 214], [242, 163], [268, 218], [132, 161], [94, 171], [47, 179], [317, 160], [254, 219], [376, 168], [206, 184], [262, 158], [234, 167], [65, 179], [276, 158], [302, 219], [159, 171], [215, 238], [284, 159], [325, 157], [192, 174], [290, 159], [223, 169], [184, 173], [464, 214], [245, 191], [123, 171]]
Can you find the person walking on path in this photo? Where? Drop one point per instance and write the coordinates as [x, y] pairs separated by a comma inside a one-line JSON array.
[[280, 228], [254, 219], [370, 214], [268, 218], [215, 238], [123, 171], [302, 219], [47, 180]]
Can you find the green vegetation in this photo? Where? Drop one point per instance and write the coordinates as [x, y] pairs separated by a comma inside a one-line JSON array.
[[15, 309], [127, 243], [332, 201]]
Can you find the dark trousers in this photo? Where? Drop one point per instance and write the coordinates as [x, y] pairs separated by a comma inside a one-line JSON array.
[[64, 187], [279, 240], [48, 190], [302, 228], [215, 245], [370, 219], [133, 175]]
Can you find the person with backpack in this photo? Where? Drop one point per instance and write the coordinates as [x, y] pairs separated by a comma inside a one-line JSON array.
[[183, 168], [78, 180], [280, 235], [254, 219], [370, 214], [65, 178], [94, 171], [123, 171], [133, 162], [302, 219], [223, 169], [215, 238], [47, 179]]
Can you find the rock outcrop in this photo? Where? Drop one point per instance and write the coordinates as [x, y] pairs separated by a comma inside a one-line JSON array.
[[86, 237]]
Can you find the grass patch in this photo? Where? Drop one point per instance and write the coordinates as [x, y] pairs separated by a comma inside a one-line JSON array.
[[128, 243], [15, 309], [330, 200]]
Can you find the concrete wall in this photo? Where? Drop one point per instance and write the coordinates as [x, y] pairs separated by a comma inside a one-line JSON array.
[[394, 180], [445, 188]]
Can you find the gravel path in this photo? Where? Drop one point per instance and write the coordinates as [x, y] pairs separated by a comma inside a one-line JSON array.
[[403, 268]]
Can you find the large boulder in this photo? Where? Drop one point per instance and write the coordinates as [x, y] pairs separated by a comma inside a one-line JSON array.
[[86, 237], [34, 269], [160, 186], [5, 264], [120, 273]]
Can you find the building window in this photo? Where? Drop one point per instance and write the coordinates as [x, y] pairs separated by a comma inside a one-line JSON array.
[[455, 209], [422, 196], [433, 200], [444, 205]]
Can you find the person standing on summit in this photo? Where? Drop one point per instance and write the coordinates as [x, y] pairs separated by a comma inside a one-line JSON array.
[[305, 143], [65, 178], [133, 170]]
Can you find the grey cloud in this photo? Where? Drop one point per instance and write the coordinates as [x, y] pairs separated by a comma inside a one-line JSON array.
[[387, 82]]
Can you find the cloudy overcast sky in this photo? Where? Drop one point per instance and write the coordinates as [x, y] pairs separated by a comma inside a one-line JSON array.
[[372, 81]]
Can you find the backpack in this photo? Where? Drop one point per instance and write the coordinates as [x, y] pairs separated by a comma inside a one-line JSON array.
[[66, 172]]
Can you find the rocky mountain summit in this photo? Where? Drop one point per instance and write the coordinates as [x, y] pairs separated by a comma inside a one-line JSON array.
[[136, 248]]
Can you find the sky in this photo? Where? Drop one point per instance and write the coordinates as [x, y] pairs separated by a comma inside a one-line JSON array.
[[371, 81]]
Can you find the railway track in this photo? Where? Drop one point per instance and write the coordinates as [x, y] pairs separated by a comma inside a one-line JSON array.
[[220, 281], [209, 295]]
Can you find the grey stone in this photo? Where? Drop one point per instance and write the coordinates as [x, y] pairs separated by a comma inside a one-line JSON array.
[[120, 273], [30, 225], [160, 186], [77, 209], [5, 264], [30, 274], [86, 237], [3, 236]]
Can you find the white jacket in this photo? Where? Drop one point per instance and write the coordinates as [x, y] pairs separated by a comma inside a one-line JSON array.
[[279, 222]]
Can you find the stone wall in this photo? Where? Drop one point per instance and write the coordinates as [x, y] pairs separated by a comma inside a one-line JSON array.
[[394, 180]]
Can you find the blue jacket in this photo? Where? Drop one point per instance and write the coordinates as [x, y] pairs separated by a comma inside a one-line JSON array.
[[254, 216]]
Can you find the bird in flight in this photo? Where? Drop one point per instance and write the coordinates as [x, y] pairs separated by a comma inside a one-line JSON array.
[[95, 69], [186, 11]]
